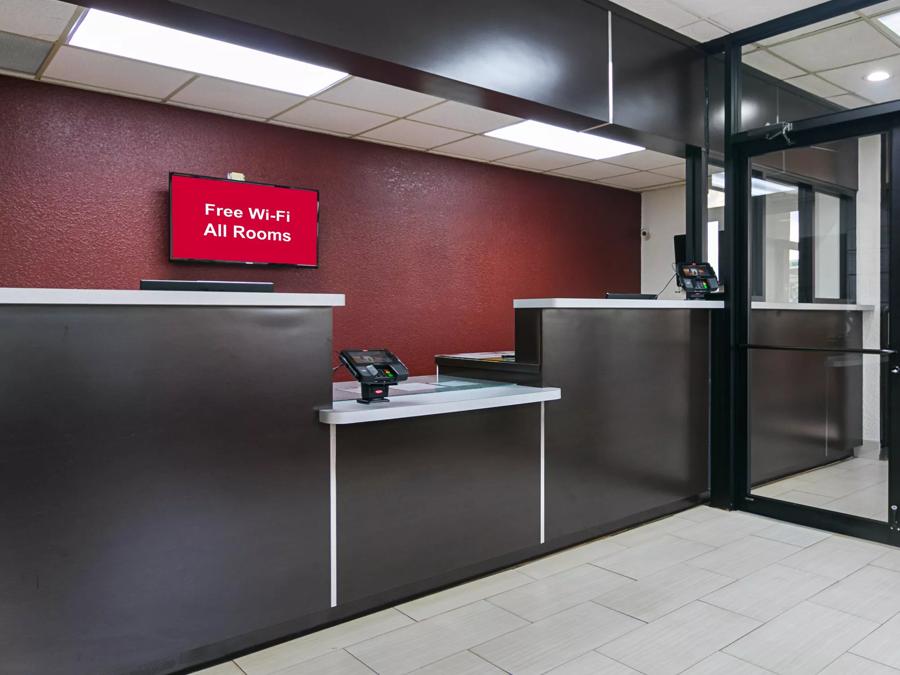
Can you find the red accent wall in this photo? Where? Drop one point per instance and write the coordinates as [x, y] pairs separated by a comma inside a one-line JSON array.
[[430, 251]]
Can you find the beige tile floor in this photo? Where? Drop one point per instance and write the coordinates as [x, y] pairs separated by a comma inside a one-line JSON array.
[[703, 592], [857, 486]]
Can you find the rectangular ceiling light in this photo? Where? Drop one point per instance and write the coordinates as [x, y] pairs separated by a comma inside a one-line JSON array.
[[549, 137], [892, 21], [142, 41], [758, 186]]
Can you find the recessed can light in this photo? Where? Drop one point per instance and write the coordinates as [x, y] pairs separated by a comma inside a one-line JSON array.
[[878, 76]]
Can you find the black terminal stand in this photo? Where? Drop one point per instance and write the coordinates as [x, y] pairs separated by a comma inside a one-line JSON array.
[[376, 370], [373, 392]]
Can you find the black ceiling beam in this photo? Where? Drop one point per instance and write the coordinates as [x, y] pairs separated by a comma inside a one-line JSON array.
[[428, 61], [186, 18], [864, 121], [788, 22]]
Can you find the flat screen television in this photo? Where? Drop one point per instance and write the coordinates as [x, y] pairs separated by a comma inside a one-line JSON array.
[[218, 220]]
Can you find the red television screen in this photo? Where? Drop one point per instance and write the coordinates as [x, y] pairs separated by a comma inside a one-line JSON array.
[[219, 220]]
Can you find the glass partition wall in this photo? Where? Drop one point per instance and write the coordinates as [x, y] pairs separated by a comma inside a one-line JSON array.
[[806, 399], [803, 120], [819, 355], [814, 368]]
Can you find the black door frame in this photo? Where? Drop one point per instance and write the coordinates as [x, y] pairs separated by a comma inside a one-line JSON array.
[[730, 459]]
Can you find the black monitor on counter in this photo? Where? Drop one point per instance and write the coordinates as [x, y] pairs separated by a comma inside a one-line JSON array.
[[220, 286], [680, 241]]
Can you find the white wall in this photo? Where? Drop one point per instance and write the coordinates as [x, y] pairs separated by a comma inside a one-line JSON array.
[[868, 283], [663, 216], [827, 266]]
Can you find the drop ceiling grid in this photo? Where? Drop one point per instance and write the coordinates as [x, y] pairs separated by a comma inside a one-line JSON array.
[[640, 168], [703, 19], [860, 17]]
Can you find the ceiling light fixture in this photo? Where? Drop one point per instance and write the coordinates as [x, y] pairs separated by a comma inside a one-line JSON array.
[[758, 186], [142, 41], [570, 142], [891, 21], [878, 76]]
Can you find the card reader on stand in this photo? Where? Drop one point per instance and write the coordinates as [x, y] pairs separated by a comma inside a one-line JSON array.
[[697, 279], [376, 370]]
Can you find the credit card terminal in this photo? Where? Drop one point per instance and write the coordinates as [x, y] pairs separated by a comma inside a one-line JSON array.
[[376, 370], [697, 279]]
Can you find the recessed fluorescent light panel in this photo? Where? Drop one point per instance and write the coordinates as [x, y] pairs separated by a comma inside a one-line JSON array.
[[142, 41], [758, 186], [892, 21], [549, 137]]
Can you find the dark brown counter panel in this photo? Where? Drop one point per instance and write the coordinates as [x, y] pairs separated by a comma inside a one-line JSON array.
[[805, 406], [163, 483], [629, 440], [432, 500]]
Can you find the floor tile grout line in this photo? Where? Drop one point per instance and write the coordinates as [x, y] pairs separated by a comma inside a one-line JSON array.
[[471, 647], [894, 616], [467, 604], [766, 623], [566, 609], [488, 661], [354, 656], [738, 658], [597, 650], [866, 658], [841, 580], [414, 619], [704, 600]]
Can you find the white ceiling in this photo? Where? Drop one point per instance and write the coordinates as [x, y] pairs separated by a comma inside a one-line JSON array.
[[705, 20], [829, 59], [836, 55], [354, 108]]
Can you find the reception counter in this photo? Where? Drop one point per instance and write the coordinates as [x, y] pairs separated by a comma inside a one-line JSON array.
[[629, 439], [181, 481]]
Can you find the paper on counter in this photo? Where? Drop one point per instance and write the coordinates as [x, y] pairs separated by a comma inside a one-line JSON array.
[[413, 386]]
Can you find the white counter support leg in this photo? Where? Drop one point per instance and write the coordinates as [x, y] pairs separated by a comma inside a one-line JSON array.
[[543, 500], [333, 509]]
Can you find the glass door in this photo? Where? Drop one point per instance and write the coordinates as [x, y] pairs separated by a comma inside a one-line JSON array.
[[820, 358]]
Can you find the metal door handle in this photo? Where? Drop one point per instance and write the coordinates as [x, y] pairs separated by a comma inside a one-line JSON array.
[[895, 370]]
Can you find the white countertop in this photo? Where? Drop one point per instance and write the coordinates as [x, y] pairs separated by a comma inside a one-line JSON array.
[[812, 306], [66, 296], [498, 395], [602, 303]]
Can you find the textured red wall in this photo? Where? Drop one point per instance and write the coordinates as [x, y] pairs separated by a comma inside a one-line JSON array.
[[430, 251]]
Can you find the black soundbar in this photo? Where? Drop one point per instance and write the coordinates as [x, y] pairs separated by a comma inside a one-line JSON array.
[[630, 296], [229, 286]]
